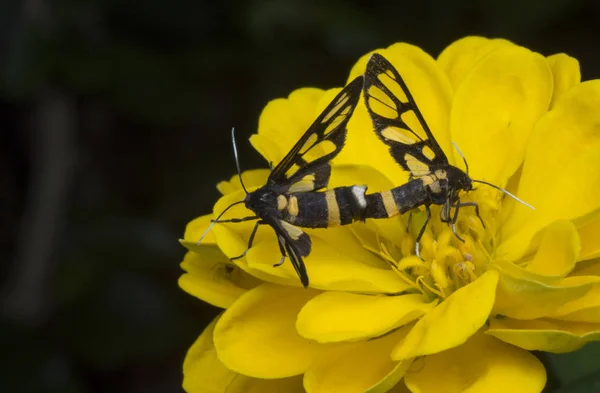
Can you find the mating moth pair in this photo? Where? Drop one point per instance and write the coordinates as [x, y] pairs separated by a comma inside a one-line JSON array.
[[292, 198]]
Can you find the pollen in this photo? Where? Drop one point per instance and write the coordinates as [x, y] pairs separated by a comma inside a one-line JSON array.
[[446, 263]]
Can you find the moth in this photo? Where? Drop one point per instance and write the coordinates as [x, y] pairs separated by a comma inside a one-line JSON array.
[[433, 181], [291, 200]]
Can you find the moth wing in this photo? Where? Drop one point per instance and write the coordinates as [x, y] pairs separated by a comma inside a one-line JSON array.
[[296, 244], [397, 120], [324, 139]]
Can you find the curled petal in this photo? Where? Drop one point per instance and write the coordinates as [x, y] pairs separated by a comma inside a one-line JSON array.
[[459, 58], [499, 102], [566, 73], [589, 233], [257, 336], [202, 370], [244, 384], [558, 251], [562, 158], [211, 277], [481, 365], [358, 367], [544, 334], [586, 308], [453, 321], [340, 316], [521, 294]]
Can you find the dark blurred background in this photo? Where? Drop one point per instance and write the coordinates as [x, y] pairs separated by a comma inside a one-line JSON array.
[[115, 120]]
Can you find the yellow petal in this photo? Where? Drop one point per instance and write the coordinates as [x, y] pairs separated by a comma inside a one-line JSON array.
[[194, 230], [459, 58], [244, 384], [586, 308], [587, 268], [257, 337], [566, 73], [329, 267], [351, 174], [357, 367], [558, 251], [562, 157], [544, 334], [252, 178], [284, 121], [481, 365], [211, 277], [202, 370], [499, 102], [232, 238], [589, 234], [521, 296], [341, 316], [452, 322]]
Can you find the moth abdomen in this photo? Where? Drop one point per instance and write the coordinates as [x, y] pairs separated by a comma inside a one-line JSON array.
[[338, 206], [396, 201]]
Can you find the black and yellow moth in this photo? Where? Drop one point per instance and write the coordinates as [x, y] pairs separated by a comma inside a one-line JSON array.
[[291, 200], [433, 181]]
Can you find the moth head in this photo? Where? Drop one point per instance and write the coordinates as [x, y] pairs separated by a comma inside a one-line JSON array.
[[261, 198], [459, 179]]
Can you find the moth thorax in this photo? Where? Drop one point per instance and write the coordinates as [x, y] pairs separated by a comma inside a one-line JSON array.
[[261, 198]]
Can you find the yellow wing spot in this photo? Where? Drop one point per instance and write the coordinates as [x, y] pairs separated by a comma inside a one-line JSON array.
[[428, 153], [292, 230], [432, 183], [387, 79], [441, 174], [292, 207], [336, 122], [293, 169], [416, 167], [411, 120], [388, 202], [333, 209], [308, 144], [327, 147], [399, 135], [341, 102], [281, 202], [307, 183], [381, 104]]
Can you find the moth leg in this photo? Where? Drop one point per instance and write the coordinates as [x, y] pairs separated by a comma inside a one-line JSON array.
[[476, 206], [445, 211], [408, 222], [250, 240], [422, 231], [283, 254], [455, 218], [249, 218]]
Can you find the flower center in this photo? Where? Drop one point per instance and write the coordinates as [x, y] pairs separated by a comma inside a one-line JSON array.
[[446, 263]]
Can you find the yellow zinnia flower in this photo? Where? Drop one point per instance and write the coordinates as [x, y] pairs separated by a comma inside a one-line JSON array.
[[377, 318]]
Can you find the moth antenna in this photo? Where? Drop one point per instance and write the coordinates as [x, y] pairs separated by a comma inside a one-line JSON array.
[[215, 221], [506, 192], [237, 161], [463, 157]]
